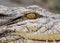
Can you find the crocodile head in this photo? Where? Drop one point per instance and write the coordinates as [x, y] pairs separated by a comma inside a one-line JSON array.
[[32, 23]]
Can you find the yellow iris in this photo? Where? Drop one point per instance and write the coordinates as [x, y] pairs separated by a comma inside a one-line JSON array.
[[31, 15]]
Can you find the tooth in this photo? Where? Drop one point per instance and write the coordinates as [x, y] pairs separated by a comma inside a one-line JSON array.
[[30, 41], [54, 41], [47, 41], [59, 42]]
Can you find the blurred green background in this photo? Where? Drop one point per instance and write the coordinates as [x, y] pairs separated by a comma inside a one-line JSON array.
[[51, 5]]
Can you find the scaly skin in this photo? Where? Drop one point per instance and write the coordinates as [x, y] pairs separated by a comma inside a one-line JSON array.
[[15, 25]]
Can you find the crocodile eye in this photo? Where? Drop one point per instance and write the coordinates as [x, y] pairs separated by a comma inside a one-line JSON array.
[[32, 15]]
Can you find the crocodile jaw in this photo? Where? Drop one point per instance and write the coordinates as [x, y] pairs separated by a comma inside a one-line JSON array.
[[44, 28]]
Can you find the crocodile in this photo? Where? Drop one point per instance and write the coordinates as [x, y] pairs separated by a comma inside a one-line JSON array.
[[28, 23]]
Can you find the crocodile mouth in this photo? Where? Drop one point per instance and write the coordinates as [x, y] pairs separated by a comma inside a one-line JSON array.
[[30, 23]]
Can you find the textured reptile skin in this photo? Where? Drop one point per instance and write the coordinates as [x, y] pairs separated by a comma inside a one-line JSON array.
[[45, 28]]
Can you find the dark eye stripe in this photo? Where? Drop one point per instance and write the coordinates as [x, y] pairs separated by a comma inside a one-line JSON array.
[[2, 15], [31, 15], [15, 20]]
